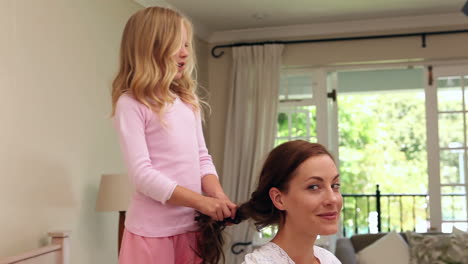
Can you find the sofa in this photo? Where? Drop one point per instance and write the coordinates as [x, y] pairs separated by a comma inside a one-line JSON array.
[[403, 248]]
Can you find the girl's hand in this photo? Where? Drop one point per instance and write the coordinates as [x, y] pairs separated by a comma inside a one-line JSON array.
[[232, 206], [212, 188], [218, 209]]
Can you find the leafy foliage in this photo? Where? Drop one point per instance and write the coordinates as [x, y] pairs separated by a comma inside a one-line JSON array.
[[382, 140]]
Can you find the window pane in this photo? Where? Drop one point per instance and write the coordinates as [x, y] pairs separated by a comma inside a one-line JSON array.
[[465, 84], [453, 203], [296, 123], [300, 124], [449, 190], [283, 89], [451, 130], [299, 87], [449, 94], [303, 122], [283, 125], [312, 123], [466, 127], [452, 166]]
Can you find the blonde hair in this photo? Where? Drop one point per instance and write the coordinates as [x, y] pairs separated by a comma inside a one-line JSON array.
[[147, 70]]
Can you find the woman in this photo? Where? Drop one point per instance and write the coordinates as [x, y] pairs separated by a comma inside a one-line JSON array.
[[298, 190]]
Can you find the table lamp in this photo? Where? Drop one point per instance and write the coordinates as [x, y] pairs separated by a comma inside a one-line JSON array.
[[114, 195]]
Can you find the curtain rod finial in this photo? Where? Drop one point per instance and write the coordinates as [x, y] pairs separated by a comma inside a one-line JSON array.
[[213, 52], [465, 8]]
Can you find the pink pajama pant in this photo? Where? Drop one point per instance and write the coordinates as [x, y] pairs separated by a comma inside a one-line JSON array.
[[176, 249]]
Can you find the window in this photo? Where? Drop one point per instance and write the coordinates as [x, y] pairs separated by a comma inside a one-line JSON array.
[[452, 100], [296, 109]]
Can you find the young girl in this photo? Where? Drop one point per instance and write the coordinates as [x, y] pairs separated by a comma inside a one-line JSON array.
[[156, 113], [298, 190]]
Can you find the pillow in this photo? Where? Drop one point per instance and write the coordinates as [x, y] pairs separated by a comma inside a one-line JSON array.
[[438, 248], [455, 230], [461, 244], [389, 249]]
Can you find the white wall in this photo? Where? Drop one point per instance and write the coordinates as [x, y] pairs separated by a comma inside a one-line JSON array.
[[57, 60], [202, 55]]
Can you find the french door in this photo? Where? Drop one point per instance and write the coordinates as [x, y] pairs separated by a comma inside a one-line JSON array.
[[447, 108]]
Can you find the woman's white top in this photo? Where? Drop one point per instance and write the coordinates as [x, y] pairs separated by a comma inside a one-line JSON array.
[[271, 253]]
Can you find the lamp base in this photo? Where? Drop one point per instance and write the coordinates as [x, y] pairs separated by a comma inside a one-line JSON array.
[[121, 228]]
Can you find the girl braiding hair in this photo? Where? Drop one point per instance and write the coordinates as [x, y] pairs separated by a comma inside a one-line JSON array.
[[156, 113]]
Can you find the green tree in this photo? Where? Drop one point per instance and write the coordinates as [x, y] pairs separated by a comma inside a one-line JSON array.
[[382, 140]]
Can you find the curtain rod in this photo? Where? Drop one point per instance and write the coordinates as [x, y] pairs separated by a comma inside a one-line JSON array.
[[422, 34]]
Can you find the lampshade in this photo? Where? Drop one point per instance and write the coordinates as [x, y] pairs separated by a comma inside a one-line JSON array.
[[114, 193]]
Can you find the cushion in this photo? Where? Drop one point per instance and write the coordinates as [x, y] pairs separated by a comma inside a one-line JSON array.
[[361, 241], [438, 249], [389, 249], [455, 230]]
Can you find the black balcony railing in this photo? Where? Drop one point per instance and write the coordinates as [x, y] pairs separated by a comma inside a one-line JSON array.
[[358, 210], [372, 213]]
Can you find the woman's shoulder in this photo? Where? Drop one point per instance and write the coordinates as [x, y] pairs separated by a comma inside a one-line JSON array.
[[325, 256], [269, 253]]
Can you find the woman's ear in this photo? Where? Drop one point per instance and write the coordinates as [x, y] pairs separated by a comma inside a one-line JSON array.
[[277, 198]]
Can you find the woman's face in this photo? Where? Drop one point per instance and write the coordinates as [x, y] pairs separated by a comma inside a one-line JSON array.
[[180, 57], [313, 201]]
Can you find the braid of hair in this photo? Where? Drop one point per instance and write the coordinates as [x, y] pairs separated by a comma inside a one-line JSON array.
[[211, 238]]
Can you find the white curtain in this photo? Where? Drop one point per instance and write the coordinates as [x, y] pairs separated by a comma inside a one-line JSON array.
[[250, 128]]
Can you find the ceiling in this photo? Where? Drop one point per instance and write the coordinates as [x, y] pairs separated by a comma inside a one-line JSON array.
[[218, 16]]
